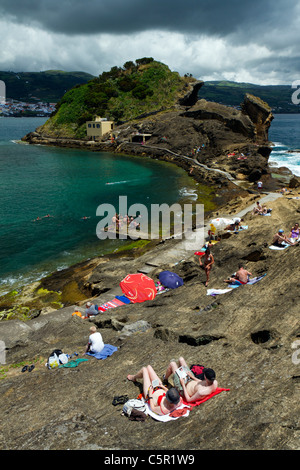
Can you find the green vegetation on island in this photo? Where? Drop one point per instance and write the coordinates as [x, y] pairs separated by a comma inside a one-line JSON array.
[[122, 94]]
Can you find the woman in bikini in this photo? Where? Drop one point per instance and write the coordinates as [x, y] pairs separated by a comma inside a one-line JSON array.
[[294, 234], [207, 262], [161, 400]]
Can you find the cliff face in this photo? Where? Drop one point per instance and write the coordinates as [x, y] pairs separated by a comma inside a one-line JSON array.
[[248, 336], [260, 114]]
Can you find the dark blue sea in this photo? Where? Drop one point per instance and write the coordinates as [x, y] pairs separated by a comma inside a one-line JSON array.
[[68, 185]]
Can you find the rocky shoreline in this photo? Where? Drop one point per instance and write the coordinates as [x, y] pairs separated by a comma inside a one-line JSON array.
[[245, 335]]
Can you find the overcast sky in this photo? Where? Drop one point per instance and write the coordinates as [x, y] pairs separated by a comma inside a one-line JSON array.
[[254, 41]]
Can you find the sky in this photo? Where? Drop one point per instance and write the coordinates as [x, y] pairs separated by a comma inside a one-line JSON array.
[[254, 41]]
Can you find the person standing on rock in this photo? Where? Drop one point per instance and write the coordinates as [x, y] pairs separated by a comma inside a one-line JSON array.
[[259, 185], [208, 261]]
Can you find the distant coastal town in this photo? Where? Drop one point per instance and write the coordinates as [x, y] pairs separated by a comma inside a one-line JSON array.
[[15, 108]]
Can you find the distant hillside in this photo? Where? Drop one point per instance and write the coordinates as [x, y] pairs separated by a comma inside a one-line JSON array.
[[279, 97], [48, 86], [122, 94]]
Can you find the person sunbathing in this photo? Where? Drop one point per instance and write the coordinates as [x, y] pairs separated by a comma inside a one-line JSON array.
[[242, 275], [280, 239], [294, 233], [161, 400], [257, 209], [191, 388]]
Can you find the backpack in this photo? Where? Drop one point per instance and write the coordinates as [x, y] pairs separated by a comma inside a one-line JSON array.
[[134, 404], [197, 370], [56, 358]]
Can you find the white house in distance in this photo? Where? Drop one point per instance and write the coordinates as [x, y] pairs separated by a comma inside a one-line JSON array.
[[97, 128]]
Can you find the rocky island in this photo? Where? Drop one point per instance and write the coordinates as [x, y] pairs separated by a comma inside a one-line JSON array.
[[249, 335]]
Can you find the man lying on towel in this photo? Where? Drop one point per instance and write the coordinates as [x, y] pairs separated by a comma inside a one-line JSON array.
[[188, 386], [242, 275]]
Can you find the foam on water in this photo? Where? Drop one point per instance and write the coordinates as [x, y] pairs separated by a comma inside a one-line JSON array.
[[283, 155]]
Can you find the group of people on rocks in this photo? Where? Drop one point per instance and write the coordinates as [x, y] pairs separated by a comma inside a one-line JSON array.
[[119, 221], [159, 394], [162, 398], [280, 239], [206, 258]]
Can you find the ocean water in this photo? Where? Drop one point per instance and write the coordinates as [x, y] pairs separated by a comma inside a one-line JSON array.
[[68, 185], [285, 135]]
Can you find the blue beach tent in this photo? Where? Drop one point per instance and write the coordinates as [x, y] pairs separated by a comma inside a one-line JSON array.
[[170, 280]]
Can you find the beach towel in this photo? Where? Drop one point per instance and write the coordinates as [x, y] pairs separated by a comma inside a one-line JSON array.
[[123, 299], [280, 248], [234, 285], [237, 283], [110, 304], [183, 410], [107, 351], [217, 291], [256, 279], [202, 400], [73, 363]]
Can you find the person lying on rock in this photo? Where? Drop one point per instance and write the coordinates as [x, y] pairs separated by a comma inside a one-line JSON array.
[[242, 275], [161, 400], [189, 387], [95, 343], [279, 239]]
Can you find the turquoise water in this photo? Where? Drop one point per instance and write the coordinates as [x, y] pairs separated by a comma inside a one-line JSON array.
[[66, 184], [285, 135]]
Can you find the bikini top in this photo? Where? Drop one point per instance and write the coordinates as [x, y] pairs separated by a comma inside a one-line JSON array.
[[159, 400]]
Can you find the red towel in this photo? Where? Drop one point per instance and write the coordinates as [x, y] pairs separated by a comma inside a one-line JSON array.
[[198, 402]]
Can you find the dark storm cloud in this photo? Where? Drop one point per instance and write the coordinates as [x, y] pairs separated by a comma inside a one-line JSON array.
[[240, 40], [218, 18]]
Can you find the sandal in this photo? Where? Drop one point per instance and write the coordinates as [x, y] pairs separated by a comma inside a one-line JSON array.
[[24, 368], [31, 367], [120, 400]]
